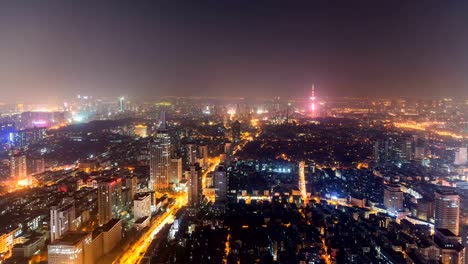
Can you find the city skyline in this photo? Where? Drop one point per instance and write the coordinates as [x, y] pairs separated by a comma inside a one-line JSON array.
[[233, 131]]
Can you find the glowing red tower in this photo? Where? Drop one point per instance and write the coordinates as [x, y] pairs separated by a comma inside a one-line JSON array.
[[313, 103]]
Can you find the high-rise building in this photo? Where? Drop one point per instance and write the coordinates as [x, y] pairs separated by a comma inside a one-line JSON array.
[[175, 173], [385, 150], [160, 162], [19, 138], [447, 211], [18, 168], [393, 198], [121, 104], [220, 184], [406, 149], [142, 206], [191, 153], [203, 154], [109, 199], [73, 248], [61, 219], [131, 183], [236, 131], [313, 104], [425, 209], [419, 153], [37, 166], [461, 156], [194, 186], [160, 158]]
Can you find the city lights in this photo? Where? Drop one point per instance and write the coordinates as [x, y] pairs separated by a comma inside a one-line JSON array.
[[233, 132]]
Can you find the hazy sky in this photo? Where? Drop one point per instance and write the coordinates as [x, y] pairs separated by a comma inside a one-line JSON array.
[[54, 49]]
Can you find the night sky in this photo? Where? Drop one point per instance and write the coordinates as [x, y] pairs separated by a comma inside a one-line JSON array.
[[55, 49]]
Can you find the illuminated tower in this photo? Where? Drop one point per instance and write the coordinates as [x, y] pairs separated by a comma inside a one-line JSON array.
[[61, 218], [121, 104], [393, 199], [302, 184], [313, 104]]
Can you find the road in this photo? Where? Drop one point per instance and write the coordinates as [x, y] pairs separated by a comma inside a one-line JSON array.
[[214, 162], [137, 251]]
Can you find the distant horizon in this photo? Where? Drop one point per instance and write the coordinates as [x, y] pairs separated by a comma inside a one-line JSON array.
[[250, 49], [156, 99]]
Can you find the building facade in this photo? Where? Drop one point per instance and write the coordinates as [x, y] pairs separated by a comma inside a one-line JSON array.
[[447, 211], [109, 199]]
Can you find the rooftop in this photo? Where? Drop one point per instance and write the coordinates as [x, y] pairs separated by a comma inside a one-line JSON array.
[[141, 220], [445, 232], [110, 224], [141, 197], [446, 192], [71, 238]]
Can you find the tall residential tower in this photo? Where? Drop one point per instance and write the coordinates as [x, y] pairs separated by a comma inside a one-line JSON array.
[[160, 158], [447, 211]]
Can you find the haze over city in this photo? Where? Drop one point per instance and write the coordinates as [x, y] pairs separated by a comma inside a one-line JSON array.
[[51, 50], [233, 131]]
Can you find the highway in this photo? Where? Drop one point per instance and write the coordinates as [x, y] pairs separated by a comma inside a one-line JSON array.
[[215, 162]]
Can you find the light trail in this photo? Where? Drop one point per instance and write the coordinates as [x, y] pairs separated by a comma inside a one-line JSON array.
[[302, 184], [427, 126], [212, 167]]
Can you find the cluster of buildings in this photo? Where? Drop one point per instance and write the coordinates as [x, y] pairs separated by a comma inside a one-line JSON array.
[[368, 189]]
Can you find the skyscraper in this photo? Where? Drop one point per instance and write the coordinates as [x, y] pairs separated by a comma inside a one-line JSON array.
[[61, 218], [393, 198], [37, 166], [131, 183], [447, 211], [160, 158], [175, 170], [109, 199], [386, 150], [461, 156], [191, 154], [220, 184], [203, 154], [236, 131], [194, 177], [406, 149], [121, 104], [18, 168]]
